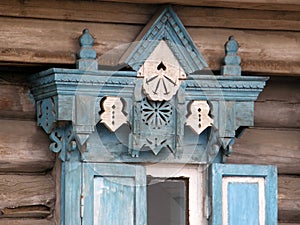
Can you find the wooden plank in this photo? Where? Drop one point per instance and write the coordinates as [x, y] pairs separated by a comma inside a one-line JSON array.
[[142, 13], [284, 89], [43, 41], [15, 102], [69, 11], [289, 199], [56, 174], [277, 114], [25, 222], [291, 5], [279, 104], [238, 18], [26, 212], [26, 190], [24, 147], [47, 42], [269, 147], [260, 51], [288, 223]]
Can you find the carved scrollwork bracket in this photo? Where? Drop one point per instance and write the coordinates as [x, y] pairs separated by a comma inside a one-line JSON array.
[[61, 134], [46, 113], [63, 141]]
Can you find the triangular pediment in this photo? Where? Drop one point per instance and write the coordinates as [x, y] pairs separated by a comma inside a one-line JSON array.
[[165, 26]]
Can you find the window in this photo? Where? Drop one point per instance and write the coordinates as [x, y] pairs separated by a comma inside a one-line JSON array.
[[184, 191], [167, 201]]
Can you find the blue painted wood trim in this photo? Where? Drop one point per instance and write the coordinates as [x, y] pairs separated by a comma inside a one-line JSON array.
[[70, 193], [165, 25], [116, 170], [217, 171]]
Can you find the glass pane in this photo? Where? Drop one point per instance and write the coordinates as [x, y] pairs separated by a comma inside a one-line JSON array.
[[167, 201]]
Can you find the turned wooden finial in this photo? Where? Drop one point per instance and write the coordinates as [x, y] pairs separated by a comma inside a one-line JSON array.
[[232, 60], [86, 55]]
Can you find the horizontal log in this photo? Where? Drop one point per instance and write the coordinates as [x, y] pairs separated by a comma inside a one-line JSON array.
[[26, 190], [257, 49], [277, 114], [142, 13], [46, 42], [270, 147], [238, 18], [24, 147], [288, 223], [15, 102], [25, 222], [292, 5], [284, 89], [69, 11], [56, 174], [26, 212], [289, 199], [279, 104]]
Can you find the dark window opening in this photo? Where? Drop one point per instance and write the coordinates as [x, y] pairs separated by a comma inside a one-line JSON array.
[[167, 201]]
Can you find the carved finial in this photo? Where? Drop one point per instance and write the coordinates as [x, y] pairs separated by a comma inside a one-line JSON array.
[[232, 60], [86, 39], [86, 55]]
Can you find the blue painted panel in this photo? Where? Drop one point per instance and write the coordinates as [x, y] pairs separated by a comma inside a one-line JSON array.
[[218, 172], [117, 195], [114, 194], [247, 210]]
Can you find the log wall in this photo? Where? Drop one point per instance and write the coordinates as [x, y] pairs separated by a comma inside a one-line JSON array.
[[39, 34], [269, 40], [27, 186]]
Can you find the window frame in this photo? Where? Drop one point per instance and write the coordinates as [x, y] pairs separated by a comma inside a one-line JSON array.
[[196, 175]]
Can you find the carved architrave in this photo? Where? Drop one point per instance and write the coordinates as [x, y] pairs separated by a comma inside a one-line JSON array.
[[113, 115], [156, 96], [199, 118]]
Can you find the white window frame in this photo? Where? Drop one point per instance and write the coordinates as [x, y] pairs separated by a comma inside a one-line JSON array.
[[196, 175]]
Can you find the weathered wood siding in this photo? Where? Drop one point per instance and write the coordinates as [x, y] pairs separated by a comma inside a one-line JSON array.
[[31, 34], [39, 34], [26, 185]]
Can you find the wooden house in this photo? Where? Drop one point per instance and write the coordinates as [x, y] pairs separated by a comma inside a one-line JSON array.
[[38, 35]]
